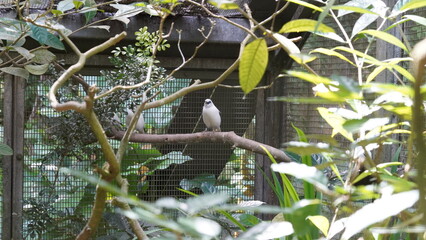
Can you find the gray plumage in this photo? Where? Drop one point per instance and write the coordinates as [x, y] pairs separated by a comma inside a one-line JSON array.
[[139, 125], [211, 116]]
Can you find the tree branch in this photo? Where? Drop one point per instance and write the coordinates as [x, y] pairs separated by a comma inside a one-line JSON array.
[[229, 138]]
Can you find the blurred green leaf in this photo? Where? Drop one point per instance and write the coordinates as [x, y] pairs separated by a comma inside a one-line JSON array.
[[16, 71], [364, 124], [224, 4], [253, 64], [302, 171], [336, 122], [248, 220], [305, 25], [37, 69], [306, 4], [385, 37], [271, 230], [321, 223], [330, 52], [5, 150], [379, 210], [43, 56]]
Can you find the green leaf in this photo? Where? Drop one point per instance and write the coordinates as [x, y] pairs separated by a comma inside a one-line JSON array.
[[323, 14], [333, 53], [375, 72], [253, 64], [385, 37], [224, 4], [56, 12], [89, 15], [359, 54], [413, 4], [321, 223], [24, 52], [366, 19], [304, 25], [5, 150], [351, 9], [65, 5], [304, 148], [315, 79], [44, 37], [37, 69], [297, 100], [43, 56], [354, 3], [378, 211], [16, 71], [306, 4], [364, 124], [268, 230], [170, 158], [288, 45], [248, 220], [417, 19], [336, 122], [302, 171], [77, 4]]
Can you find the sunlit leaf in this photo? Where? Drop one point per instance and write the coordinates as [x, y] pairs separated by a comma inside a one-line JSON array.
[[375, 72], [224, 4], [321, 223], [306, 4], [364, 4], [417, 19], [297, 100], [330, 52], [105, 27], [37, 69], [359, 54], [385, 37], [77, 4], [302, 58], [170, 158], [403, 72], [5, 150], [302, 171], [364, 124], [304, 148], [315, 79], [44, 37], [203, 202], [203, 226], [253, 64], [336, 227], [16, 71], [378, 211], [332, 36], [286, 44], [351, 9], [413, 4], [248, 220], [336, 122], [304, 25], [271, 230], [366, 19], [65, 5]]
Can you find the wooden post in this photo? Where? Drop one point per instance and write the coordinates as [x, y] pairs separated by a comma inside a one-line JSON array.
[[13, 122], [7, 160], [18, 156]]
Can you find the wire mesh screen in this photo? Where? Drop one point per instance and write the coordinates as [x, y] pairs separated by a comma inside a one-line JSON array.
[[56, 205]]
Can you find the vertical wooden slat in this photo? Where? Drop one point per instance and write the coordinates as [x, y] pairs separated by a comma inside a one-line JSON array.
[[260, 137], [18, 144], [7, 160]]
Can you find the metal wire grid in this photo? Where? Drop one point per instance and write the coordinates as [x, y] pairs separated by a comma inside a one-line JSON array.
[[57, 205]]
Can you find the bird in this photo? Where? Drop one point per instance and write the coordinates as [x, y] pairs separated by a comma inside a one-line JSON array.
[[211, 116], [139, 125]]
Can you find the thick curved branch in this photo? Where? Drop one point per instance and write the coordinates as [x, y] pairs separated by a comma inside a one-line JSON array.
[[229, 138], [79, 107]]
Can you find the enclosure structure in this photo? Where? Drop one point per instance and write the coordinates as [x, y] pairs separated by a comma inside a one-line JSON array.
[[41, 202]]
